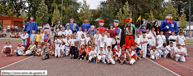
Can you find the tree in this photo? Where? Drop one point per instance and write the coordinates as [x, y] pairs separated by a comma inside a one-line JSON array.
[[84, 12], [170, 10], [151, 16], [56, 15], [42, 13], [182, 20], [124, 13], [23, 15]]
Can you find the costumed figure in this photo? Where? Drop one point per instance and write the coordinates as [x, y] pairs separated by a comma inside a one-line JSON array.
[[58, 26], [156, 26], [118, 31], [73, 26], [85, 25], [46, 27], [168, 26], [101, 23], [113, 33], [146, 25], [128, 34], [29, 27]]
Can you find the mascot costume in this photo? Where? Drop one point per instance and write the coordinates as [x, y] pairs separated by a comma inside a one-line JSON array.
[[156, 26], [168, 26], [73, 26], [101, 23], [128, 33], [46, 27], [29, 27], [118, 30], [145, 26]]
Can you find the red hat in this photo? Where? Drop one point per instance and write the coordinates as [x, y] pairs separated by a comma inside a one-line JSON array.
[[101, 20], [114, 49], [128, 47], [19, 44], [118, 43], [124, 45], [123, 49]]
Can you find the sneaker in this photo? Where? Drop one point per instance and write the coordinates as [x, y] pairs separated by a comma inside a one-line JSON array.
[[72, 55], [80, 58], [139, 58], [61, 56], [164, 56], [93, 61], [121, 63], [104, 62], [5, 55]]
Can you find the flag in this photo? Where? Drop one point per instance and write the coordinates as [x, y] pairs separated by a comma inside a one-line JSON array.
[[138, 19]]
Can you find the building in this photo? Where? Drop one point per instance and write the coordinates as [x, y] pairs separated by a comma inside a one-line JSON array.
[[16, 21]]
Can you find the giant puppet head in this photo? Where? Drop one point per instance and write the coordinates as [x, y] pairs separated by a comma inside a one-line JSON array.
[[116, 24], [128, 22], [71, 20], [101, 23], [169, 17], [46, 27], [31, 19]]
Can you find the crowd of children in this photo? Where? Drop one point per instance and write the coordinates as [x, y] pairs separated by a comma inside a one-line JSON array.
[[99, 47]]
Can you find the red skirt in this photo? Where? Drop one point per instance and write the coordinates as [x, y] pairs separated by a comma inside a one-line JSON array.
[[129, 40]]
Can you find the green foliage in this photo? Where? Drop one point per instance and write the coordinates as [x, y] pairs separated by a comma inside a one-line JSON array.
[[171, 10], [182, 20], [84, 12], [23, 15], [151, 16], [125, 13], [56, 15], [42, 13]]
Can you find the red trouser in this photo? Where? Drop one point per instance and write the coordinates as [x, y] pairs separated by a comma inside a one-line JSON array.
[[28, 43], [129, 40]]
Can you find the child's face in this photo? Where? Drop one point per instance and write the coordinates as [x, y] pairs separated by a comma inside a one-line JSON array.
[[171, 44], [144, 35], [101, 48], [87, 35], [33, 42], [154, 50], [33, 32], [97, 32], [85, 30], [82, 36], [173, 33], [38, 32], [80, 29], [68, 27], [109, 48], [92, 48], [136, 46]]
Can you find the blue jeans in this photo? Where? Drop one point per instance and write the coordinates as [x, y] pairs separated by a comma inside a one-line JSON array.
[[24, 42]]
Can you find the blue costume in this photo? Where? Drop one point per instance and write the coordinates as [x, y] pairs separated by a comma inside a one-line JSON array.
[[73, 27], [87, 26], [168, 26], [31, 26]]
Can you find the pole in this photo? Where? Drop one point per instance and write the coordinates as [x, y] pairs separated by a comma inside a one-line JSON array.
[[61, 12], [189, 15]]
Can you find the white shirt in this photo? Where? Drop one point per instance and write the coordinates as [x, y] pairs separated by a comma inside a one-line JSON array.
[[42, 37], [92, 52], [118, 53], [172, 37], [72, 42], [102, 40], [96, 36], [123, 55], [108, 41], [154, 53], [39, 50], [24, 36], [7, 46], [176, 50], [82, 41], [60, 33], [87, 39], [8, 27], [161, 47], [101, 52], [68, 32], [137, 40], [144, 39], [57, 45], [170, 48], [67, 42], [78, 35], [109, 54], [181, 39], [161, 39]]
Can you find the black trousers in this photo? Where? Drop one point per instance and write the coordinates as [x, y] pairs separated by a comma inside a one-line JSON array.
[[74, 51], [82, 55], [167, 36]]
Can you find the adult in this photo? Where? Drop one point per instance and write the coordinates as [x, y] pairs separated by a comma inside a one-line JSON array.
[[47, 49], [167, 26], [101, 23], [16, 29], [85, 25], [112, 33], [12, 28], [92, 31], [30, 26], [58, 26], [73, 26]]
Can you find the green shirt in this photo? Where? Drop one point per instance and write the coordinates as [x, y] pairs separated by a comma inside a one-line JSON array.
[[45, 49]]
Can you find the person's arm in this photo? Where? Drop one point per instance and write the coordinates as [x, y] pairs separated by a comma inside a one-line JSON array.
[[162, 27], [108, 58], [185, 42], [157, 41], [84, 41], [150, 55], [79, 43], [2, 50], [70, 44], [129, 55]]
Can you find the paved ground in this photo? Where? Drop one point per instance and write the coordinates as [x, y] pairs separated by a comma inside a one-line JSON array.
[[66, 66]]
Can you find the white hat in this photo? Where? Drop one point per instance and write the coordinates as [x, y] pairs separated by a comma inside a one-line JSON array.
[[102, 46], [182, 44]]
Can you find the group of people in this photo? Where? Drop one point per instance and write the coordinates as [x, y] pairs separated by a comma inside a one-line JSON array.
[[108, 45]]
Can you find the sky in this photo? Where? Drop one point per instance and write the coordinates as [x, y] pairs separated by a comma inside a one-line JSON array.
[[93, 3]]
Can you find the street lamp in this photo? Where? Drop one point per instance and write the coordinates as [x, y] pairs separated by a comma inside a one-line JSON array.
[[61, 12], [189, 15]]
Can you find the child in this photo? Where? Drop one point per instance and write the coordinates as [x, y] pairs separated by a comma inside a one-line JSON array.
[[31, 49], [184, 47], [139, 51], [171, 47], [109, 56], [181, 39], [12, 35], [101, 55], [85, 32], [79, 34], [148, 49], [160, 39], [46, 51], [39, 50], [7, 49], [42, 37], [92, 54], [61, 32], [132, 55], [143, 42], [82, 41], [154, 53], [82, 53], [68, 31], [87, 38], [52, 53], [173, 38], [180, 53], [73, 50], [96, 36], [122, 57], [24, 37], [163, 50], [58, 43], [67, 45], [101, 39], [108, 40], [33, 36], [63, 39], [137, 40], [20, 50], [38, 38]]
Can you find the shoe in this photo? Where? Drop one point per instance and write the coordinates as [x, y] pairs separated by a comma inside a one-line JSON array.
[[80, 58], [16, 55], [61, 56], [93, 61], [121, 63], [164, 56], [139, 58], [72, 55], [104, 62], [5, 55]]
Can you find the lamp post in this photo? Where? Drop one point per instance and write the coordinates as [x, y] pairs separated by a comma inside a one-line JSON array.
[[189, 15], [61, 12]]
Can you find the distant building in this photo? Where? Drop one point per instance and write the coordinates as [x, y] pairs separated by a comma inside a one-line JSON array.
[[16, 21]]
